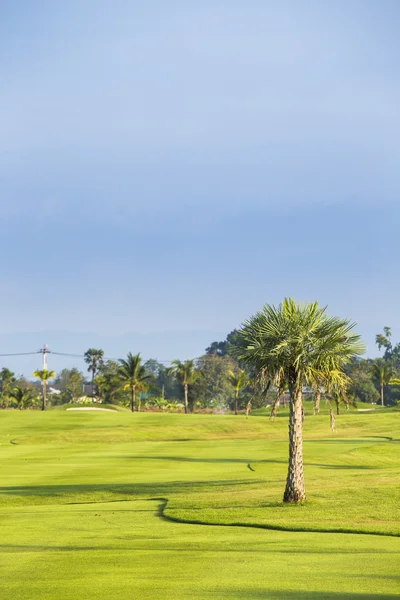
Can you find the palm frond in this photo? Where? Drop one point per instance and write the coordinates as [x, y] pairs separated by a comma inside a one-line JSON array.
[[300, 339]]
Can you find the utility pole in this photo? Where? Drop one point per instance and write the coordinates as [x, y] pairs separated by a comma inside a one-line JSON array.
[[45, 353]]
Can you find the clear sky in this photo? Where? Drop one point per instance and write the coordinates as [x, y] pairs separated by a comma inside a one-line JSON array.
[[172, 166]]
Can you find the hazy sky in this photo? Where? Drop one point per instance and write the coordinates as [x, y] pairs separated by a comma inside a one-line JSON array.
[[174, 165]]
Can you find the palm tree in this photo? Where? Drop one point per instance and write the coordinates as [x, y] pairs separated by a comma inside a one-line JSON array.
[[44, 375], [186, 373], [95, 359], [239, 381], [338, 397], [305, 342], [382, 372], [133, 376], [22, 395], [280, 383], [335, 384]]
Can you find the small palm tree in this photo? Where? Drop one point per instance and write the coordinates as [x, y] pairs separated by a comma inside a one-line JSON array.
[[44, 375], [334, 383], [304, 342], [22, 395], [186, 373], [239, 381], [133, 376], [338, 397], [382, 372]]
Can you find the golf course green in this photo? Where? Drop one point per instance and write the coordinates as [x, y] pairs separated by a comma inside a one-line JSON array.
[[114, 505]]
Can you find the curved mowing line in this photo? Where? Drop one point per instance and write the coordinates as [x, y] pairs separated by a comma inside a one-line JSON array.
[[164, 503]]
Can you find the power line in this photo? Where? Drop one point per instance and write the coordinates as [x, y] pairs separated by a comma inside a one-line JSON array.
[[66, 354], [22, 353], [104, 357], [82, 356]]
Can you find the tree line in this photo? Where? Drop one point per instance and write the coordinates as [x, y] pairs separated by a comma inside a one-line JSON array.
[[217, 381]]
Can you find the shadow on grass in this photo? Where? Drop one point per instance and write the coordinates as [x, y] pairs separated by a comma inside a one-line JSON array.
[[26, 548], [365, 440], [252, 594], [244, 461], [379, 437], [134, 489]]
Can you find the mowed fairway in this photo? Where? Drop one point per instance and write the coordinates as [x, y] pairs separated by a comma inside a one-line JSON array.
[[116, 506]]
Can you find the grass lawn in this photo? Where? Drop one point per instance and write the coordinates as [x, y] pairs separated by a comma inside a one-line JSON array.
[[116, 506]]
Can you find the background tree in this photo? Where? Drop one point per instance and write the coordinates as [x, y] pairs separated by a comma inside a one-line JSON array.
[[133, 376], [7, 380], [238, 380], [213, 388], [71, 383], [391, 356], [394, 386], [391, 352], [23, 396], [162, 384], [304, 341], [94, 357], [44, 375], [108, 384], [186, 373], [225, 348], [382, 372], [383, 340], [361, 385]]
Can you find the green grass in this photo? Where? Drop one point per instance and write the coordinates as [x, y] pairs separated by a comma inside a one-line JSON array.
[[89, 405], [114, 506]]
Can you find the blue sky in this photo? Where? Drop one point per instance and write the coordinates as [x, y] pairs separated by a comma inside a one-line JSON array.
[[172, 166]]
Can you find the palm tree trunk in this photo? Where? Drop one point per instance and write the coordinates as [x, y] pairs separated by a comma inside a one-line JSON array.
[[248, 409], [275, 406], [139, 403], [186, 398], [382, 395], [236, 401], [295, 490], [332, 419], [132, 398], [317, 400], [337, 408], [44, 396]]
